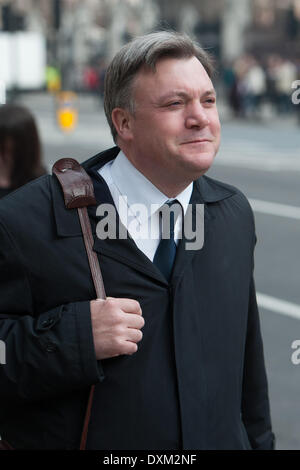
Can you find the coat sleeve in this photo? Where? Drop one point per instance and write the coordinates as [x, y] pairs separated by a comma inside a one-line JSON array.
[[45, 355], [255, 400]]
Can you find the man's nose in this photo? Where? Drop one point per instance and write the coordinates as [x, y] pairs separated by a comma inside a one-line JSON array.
[[197, 116]]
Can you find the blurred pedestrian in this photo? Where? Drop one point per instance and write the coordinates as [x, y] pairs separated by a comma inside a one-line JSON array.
[[286, 74], [102, 73], [53, 79], [254, 85], [230, 82], [91, 79], [239, 91], [20, 148], [271, 80]]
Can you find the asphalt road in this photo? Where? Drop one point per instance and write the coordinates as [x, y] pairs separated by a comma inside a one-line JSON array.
[[263, 160]]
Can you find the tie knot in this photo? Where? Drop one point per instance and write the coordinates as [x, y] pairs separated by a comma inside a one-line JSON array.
[[169, 213]]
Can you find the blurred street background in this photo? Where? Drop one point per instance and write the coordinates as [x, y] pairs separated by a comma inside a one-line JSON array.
[[53, 56]]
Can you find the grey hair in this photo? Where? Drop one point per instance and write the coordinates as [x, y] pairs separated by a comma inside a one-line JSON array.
[[145, 51]]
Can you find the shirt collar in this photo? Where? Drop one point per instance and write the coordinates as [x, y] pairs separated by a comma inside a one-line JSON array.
[[206, 190], [138, 189]]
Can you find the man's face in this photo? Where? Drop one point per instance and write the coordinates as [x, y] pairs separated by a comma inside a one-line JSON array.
[[175, 129]]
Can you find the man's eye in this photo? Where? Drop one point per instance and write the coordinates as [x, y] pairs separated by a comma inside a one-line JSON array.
[[174, 103], [211, 100]]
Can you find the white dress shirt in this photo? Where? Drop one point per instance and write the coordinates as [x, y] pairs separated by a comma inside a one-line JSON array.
[[130, 189]]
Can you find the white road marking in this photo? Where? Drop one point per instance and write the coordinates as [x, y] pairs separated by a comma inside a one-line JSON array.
[[278, 306], [273, 208], [258, 157], [268, 302]]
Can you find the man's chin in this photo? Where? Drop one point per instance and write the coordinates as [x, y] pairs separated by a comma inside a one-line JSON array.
[[200, 164]]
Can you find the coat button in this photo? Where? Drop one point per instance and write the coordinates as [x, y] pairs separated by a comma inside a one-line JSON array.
[[51, 347], [48, 322]]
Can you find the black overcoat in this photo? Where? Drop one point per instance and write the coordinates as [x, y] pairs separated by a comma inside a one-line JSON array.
[[198, 379]]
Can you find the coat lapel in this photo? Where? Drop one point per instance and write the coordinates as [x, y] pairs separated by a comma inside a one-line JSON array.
[[125, 249], [205, 192], [67, 221]]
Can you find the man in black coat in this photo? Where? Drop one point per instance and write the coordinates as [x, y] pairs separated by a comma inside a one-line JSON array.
[[175, 351]]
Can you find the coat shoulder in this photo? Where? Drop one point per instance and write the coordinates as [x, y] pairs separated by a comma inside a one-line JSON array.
[[227, 192], [33, 198], [230, 202]]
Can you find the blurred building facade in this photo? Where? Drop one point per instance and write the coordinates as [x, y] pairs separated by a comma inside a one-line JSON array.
[[82, 33]]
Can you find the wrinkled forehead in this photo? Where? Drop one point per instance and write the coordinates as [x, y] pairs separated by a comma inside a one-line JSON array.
[[170, 73]]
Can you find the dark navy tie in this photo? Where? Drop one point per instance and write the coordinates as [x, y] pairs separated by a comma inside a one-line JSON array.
[[166, 251]]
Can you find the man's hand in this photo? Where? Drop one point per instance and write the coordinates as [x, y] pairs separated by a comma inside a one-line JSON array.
[[116, 325]]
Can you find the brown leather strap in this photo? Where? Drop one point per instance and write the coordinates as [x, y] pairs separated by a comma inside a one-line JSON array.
[[78, 192], [87, 419], [92, 256]]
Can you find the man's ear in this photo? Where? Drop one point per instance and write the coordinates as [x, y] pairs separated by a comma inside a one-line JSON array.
[[122, 119]]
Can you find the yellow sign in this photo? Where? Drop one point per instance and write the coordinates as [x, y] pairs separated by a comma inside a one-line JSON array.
[[67, 113], [67, 119]]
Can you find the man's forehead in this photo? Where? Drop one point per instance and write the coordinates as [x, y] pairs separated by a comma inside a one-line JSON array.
[[167, 64], [174, 75]]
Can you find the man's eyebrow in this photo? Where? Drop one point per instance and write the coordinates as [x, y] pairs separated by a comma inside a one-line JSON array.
[[210, 92], [185, 94]]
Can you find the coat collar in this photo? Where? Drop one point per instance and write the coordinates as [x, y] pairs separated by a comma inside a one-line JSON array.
[[205, 191]]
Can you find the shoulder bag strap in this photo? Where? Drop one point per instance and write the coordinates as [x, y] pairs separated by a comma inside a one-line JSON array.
[[78, 193]]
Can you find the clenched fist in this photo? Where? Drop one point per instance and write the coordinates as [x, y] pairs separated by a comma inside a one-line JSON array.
[[116, 325]]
